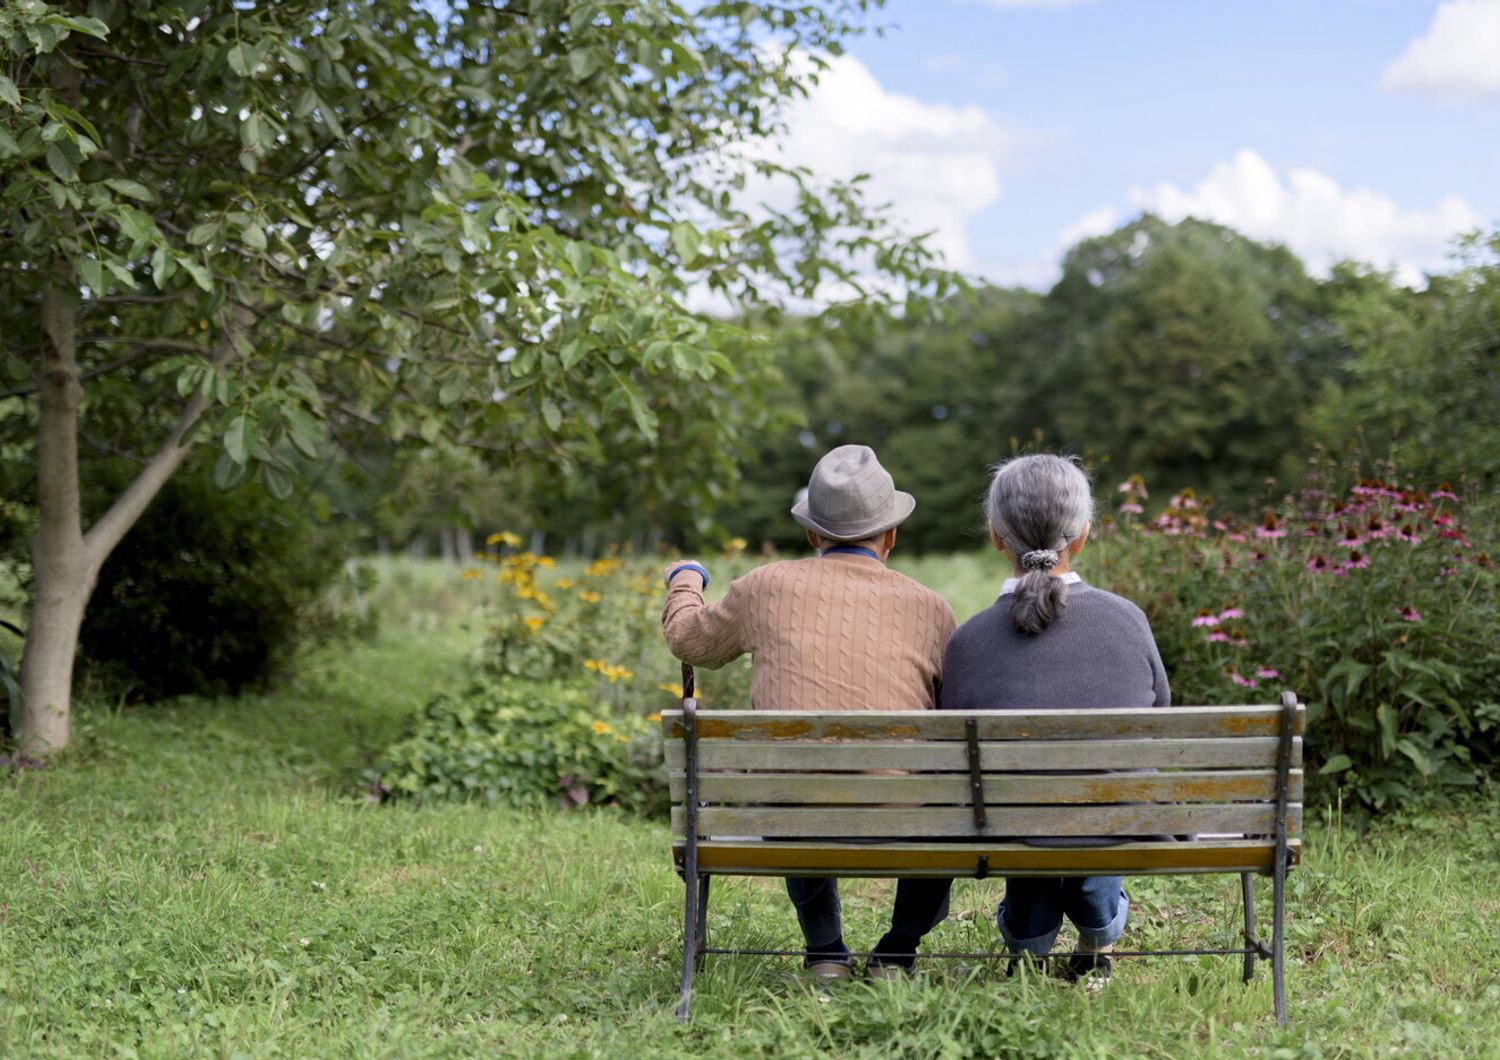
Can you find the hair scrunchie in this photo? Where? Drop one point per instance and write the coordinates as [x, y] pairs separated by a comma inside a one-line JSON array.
[[1039, 559]]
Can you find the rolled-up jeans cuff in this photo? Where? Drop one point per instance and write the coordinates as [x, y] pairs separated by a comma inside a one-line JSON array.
[[1037, 947], [1099, 937]]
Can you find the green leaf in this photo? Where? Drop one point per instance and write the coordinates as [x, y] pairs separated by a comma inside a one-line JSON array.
[[240, 438], [202, 233], [276, 482], [61, 164], [197, 272], [227, 473], [242, 59], [255, 236], [131, 188], [1336, 764], [1386, 716], [685, 240], [551, 414], [584, 62], [9, 93], [90, 272]]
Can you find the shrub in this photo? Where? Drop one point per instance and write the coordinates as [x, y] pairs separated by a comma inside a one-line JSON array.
[[600, 624], [213, 592], [526, 744], [1375, 603]]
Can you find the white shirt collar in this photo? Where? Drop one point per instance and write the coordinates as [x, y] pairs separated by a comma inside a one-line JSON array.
[[1070, 578]]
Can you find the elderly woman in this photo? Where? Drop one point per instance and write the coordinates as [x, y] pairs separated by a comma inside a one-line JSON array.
[[1052, 641]]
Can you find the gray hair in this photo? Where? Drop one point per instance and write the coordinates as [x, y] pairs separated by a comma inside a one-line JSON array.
[[1037, 506]]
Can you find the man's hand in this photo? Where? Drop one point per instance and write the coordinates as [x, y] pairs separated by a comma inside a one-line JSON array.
[[685, 569]]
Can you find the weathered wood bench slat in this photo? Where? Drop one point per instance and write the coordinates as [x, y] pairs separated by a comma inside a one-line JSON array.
[[738, 858], [1254, 752], [999, 788], [933, 821], [992, 725]]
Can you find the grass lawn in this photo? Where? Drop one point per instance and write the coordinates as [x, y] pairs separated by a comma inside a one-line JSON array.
[[204, 879]]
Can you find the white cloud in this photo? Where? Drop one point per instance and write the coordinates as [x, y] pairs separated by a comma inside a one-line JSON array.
[[1316, 217], [1458, 57], [936, 165]]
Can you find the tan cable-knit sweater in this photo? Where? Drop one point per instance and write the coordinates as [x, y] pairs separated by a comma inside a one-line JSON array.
[[836, 632]]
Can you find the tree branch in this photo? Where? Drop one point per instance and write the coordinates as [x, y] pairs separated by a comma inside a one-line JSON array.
[[105, 534]]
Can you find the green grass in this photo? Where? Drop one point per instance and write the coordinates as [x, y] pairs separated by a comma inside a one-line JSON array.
[[204, 879]]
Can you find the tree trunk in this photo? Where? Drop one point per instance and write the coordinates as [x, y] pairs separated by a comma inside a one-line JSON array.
[[63, 578], [66, 561]]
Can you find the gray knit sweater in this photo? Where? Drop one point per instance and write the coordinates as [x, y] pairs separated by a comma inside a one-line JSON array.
[[1099, 654]]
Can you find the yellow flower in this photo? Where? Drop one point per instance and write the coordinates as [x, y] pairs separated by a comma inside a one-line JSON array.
[[534, 622], [566, 583], [589, 597], [601, 727], [654, 716], [601, 567], [591, 664], [471, 574], [546, 561], [735, 545], [673, 688], [622, 737]]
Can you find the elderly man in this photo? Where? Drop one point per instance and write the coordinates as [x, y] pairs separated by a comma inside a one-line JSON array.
[[839, 631]]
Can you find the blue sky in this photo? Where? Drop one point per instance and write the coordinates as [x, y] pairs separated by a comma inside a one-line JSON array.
[[1364, 128]]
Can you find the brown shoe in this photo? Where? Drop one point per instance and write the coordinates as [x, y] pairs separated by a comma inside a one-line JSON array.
[[828, 971], [881, 970]]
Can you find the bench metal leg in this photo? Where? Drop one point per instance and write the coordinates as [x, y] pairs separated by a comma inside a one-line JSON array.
[[702, 934], [1247, 891], [1278, 943], [692, 946]]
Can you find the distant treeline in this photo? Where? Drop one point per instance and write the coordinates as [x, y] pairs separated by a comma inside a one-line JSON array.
[[1186, 353]]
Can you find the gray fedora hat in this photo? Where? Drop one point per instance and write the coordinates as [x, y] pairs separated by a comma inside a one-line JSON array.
[[851, 497]]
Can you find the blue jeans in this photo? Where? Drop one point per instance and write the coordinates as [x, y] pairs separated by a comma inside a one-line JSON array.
[[921, 905], [1031, 914]]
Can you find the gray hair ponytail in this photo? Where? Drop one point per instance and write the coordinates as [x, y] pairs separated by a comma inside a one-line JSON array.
[[1038, 505]]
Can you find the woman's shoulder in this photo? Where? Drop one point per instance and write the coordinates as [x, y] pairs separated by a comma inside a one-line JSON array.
[[1107, 602]]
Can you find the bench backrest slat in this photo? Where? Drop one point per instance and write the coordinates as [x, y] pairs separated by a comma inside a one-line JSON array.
[[1132, 722], [1141, 821], [1254, 752], [952, 789]]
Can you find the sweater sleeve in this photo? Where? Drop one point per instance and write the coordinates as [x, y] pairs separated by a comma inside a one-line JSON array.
[[945, 625], [703, 634]]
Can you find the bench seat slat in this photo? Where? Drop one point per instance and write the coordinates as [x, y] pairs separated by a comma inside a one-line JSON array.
[[1159, 722], [999, 788], [734, 858], [783, 822], [1254, 752]]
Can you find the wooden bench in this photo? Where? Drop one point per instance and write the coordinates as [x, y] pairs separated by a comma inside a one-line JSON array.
[[776, 793]]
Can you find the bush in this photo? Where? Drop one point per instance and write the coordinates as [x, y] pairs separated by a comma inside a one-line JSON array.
[[600, 624], [213, 592], [1375, 603], [526, 744]]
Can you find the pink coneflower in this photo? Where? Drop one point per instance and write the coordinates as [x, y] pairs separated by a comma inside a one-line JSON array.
[[1240, 679], [1131, 508], [1408, 503], [1206, 618], [1356, 560], [1351, 538], [1237, 537], [1367, 488], [1231, 612], [1257, 556], [1442, 519], [1238, 639], [1483, 559], [1269, 527], [1444, 492], [1318, 565], [1218, 636], [1377, 530], [1220, 525], [1450, 534], [1267, 672], [1409, 614], [1447, 572], [1407, 534]]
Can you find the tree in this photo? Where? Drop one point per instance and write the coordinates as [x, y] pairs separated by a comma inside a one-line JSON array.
[[265, 224], [1424, 377]]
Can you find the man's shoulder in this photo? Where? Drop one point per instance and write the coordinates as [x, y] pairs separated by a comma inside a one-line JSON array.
[[929, 597]]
